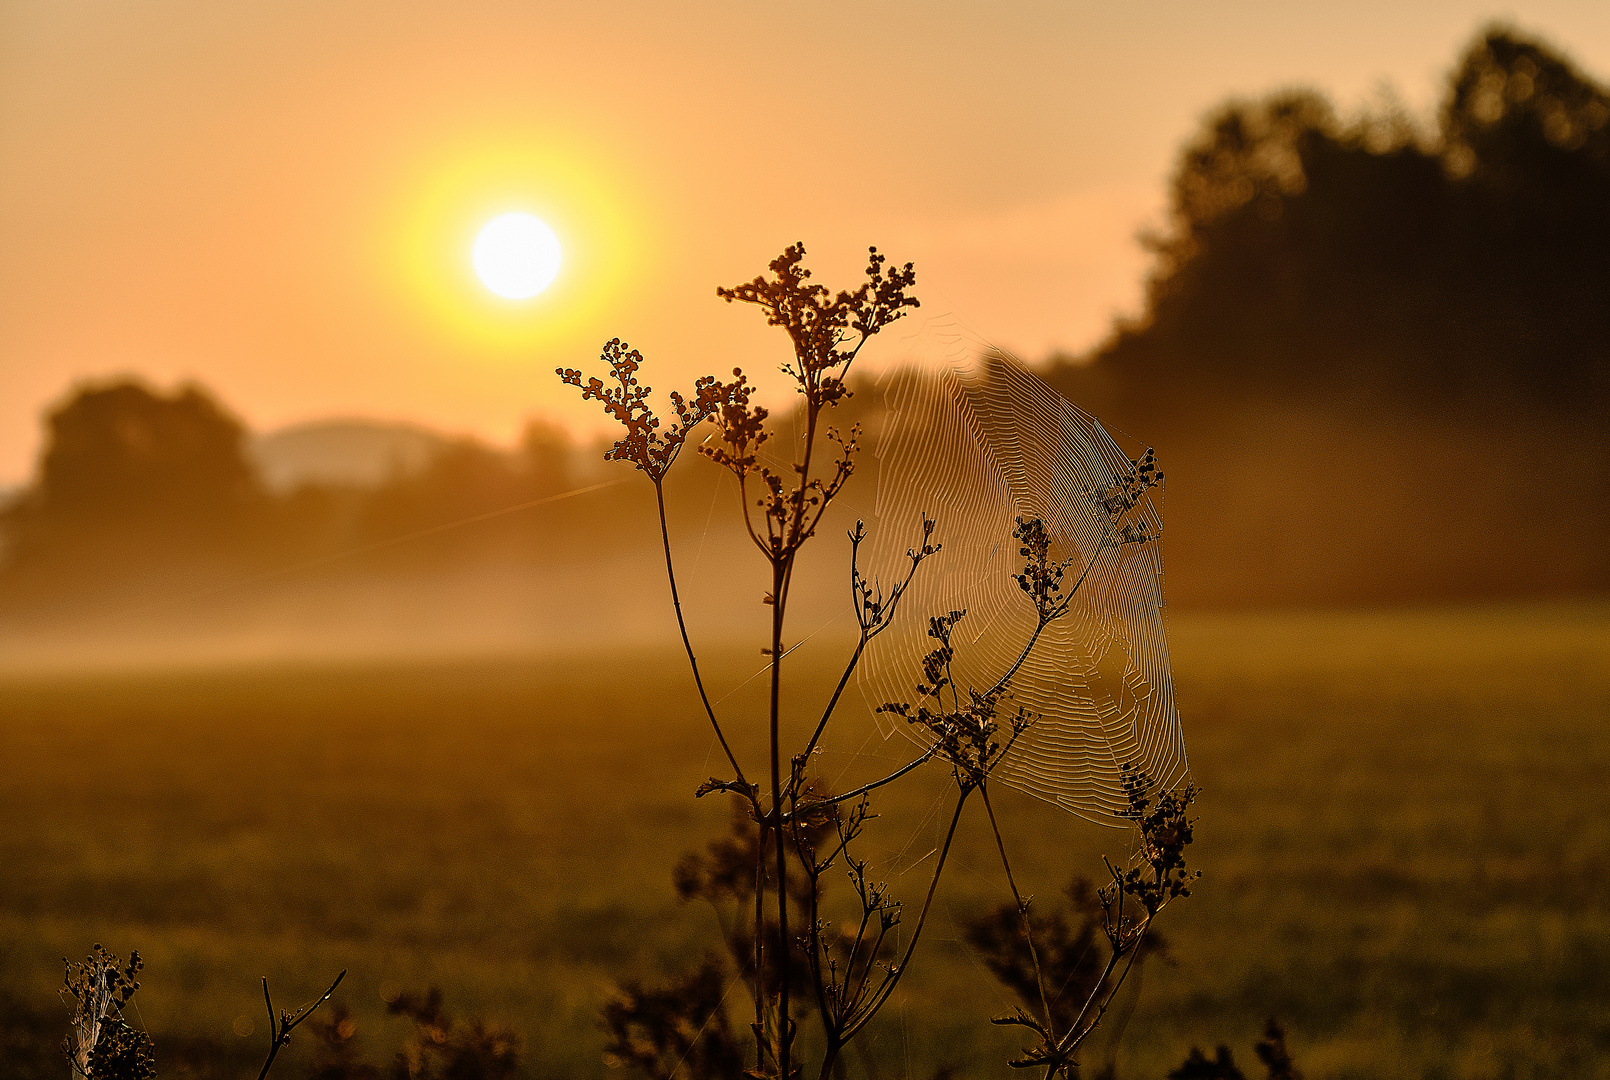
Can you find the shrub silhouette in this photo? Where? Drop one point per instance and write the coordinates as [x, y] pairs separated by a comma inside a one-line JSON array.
[[1271, 1051]]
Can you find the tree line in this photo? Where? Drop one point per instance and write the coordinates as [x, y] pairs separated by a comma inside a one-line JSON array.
[[1375, 351], [138, 489]]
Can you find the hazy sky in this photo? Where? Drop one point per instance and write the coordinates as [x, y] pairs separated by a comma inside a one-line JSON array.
[[277, 197]]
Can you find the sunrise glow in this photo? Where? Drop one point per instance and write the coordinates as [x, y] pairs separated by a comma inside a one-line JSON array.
[[501, 241]]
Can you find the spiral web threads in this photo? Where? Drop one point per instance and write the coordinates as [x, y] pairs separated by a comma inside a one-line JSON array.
[[975, 450]]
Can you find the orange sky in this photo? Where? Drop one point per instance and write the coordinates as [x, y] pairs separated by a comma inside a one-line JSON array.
[[275, 197]]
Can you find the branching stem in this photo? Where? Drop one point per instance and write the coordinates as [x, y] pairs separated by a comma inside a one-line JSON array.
[[281, 1025], [1046, 619], [891, 778], [1079, 1031], [892, 979], [838, 691]]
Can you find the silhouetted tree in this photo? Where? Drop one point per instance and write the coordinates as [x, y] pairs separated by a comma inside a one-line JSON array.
[[1306, 254], [1413, 325], [130, 476], [1526, 142], [139, 491]]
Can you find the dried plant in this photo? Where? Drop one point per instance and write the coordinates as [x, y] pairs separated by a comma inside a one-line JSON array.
[[768, 879], [660, 1032], [438, 1048], [1155, 877], [335, 1056], [102, 1045], [849, 974]]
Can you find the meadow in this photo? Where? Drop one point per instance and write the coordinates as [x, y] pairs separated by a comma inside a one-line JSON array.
[[1404, 834]]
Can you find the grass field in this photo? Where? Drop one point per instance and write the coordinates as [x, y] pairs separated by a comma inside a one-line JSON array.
[[1405, 836]]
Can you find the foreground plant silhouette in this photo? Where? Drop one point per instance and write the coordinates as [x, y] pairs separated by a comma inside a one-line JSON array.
[[776, 929], [101, 1044]]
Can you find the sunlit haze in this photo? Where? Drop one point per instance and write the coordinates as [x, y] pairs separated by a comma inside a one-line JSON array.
[[280, 200]]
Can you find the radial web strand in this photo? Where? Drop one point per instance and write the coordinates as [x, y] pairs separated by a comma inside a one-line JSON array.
[[976, 450]]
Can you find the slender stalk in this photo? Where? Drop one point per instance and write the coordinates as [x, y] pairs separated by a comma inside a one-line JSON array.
[[812, 412], [782, 579], [1075, 1035], [1061, 610], [779, 597], [681, 624], [869, 630], [760, 948], [749, 524], [1103, 546], [1078, 1032], [829, 1056], [853, 994], [1023, 656], [838, 691], [817, 951], [891, 778], [893, 978], [1022, 909]]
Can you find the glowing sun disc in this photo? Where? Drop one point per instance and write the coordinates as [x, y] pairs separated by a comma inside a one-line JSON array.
[[516, 256]]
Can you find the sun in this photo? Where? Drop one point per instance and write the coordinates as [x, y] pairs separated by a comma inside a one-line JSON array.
[[516, 256], [504, 240]]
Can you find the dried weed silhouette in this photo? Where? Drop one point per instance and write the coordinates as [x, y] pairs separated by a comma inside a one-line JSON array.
[[769, 877], [102, 1045]]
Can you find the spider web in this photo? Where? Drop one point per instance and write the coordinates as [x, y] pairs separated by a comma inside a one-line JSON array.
[[976, 449]]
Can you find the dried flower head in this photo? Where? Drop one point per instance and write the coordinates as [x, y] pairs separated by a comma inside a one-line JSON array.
[[644, 444]]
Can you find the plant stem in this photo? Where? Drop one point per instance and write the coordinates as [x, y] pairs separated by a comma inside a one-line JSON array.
[[693, 662], [782, 575], [874, 785], [280, 1028], [1023, 910], [1075, 1036], [894, 977], [779, 596], [760, 947], [1044, 621], [838, 691]]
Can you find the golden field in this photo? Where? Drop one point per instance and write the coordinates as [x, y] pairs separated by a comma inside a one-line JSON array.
[[1404, 835]]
